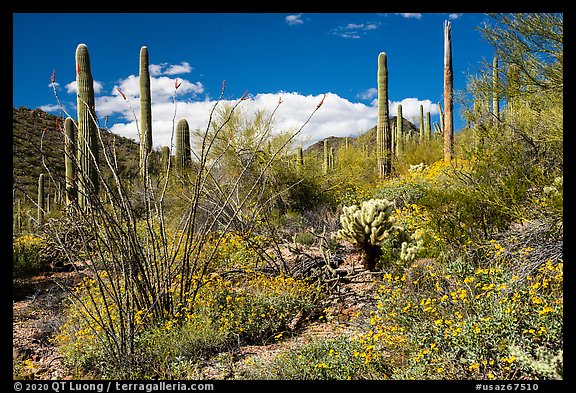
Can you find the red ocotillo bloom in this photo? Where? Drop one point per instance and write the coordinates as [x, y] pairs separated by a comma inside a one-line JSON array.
[[321, 102], [120, 91]]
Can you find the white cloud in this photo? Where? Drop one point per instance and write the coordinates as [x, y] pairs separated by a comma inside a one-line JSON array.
[[411, 15], [294, 19], [454, 16], [336, 117], [355, 30], [71, 87], [170, 69], [161, 88], [51, 108], [411, 108], [368, 94]]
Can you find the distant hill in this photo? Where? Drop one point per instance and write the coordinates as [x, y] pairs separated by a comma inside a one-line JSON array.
[[368, 138], [38, 147]]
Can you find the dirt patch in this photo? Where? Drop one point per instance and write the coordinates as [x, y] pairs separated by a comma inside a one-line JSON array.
[[36, 316]]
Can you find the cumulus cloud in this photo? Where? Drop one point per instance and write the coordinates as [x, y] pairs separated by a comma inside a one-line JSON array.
[[295, 19], [170, 69], [368, 94], [411, 108], [337, 116], [51, 108], [161, 88], [355, 30], [411, 15], [454, 16]]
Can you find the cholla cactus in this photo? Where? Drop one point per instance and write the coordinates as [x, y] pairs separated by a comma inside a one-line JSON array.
[[410, 245], [367, 226]]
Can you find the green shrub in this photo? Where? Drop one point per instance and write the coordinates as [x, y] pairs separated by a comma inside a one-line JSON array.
[[254, 310], [454, 321], [337, 358], [27, 257]]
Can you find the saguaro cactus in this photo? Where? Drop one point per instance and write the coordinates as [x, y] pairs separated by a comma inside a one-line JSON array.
[[41, 201], [299, 159], [331, 160], [87, 129], [422, 138], [495, 88], [69, 157], [326, 164], [145, 111], [183, 154], [428, 127], [383, 133], [399, 131], [165, 157], [448, 118]]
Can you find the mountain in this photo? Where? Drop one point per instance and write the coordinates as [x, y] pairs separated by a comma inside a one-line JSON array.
[[368, 138], [38, 147]]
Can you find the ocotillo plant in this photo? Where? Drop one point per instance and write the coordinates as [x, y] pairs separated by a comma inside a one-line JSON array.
[[383, 134], [69, 157], [399, 131], [41, 202], [448, 126], [183, 153], [87, 130], [145, 111], [495, 88]]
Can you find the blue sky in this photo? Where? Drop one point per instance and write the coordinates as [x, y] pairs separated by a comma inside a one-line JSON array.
[[299, 57]]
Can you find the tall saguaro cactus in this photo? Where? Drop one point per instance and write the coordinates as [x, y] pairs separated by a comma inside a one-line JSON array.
[[422, 138], [495, 95], [325, 162], [165, 157], [87, 129], [183, 153], [69, 157], [428, 127], [41, 202], [145, 111], [448, 121], [383, 132], [399, 131], [299, 159]]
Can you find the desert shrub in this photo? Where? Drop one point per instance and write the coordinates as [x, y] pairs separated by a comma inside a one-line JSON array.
[[27, 256], [455, 321], [337, 358], [254, 309]]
